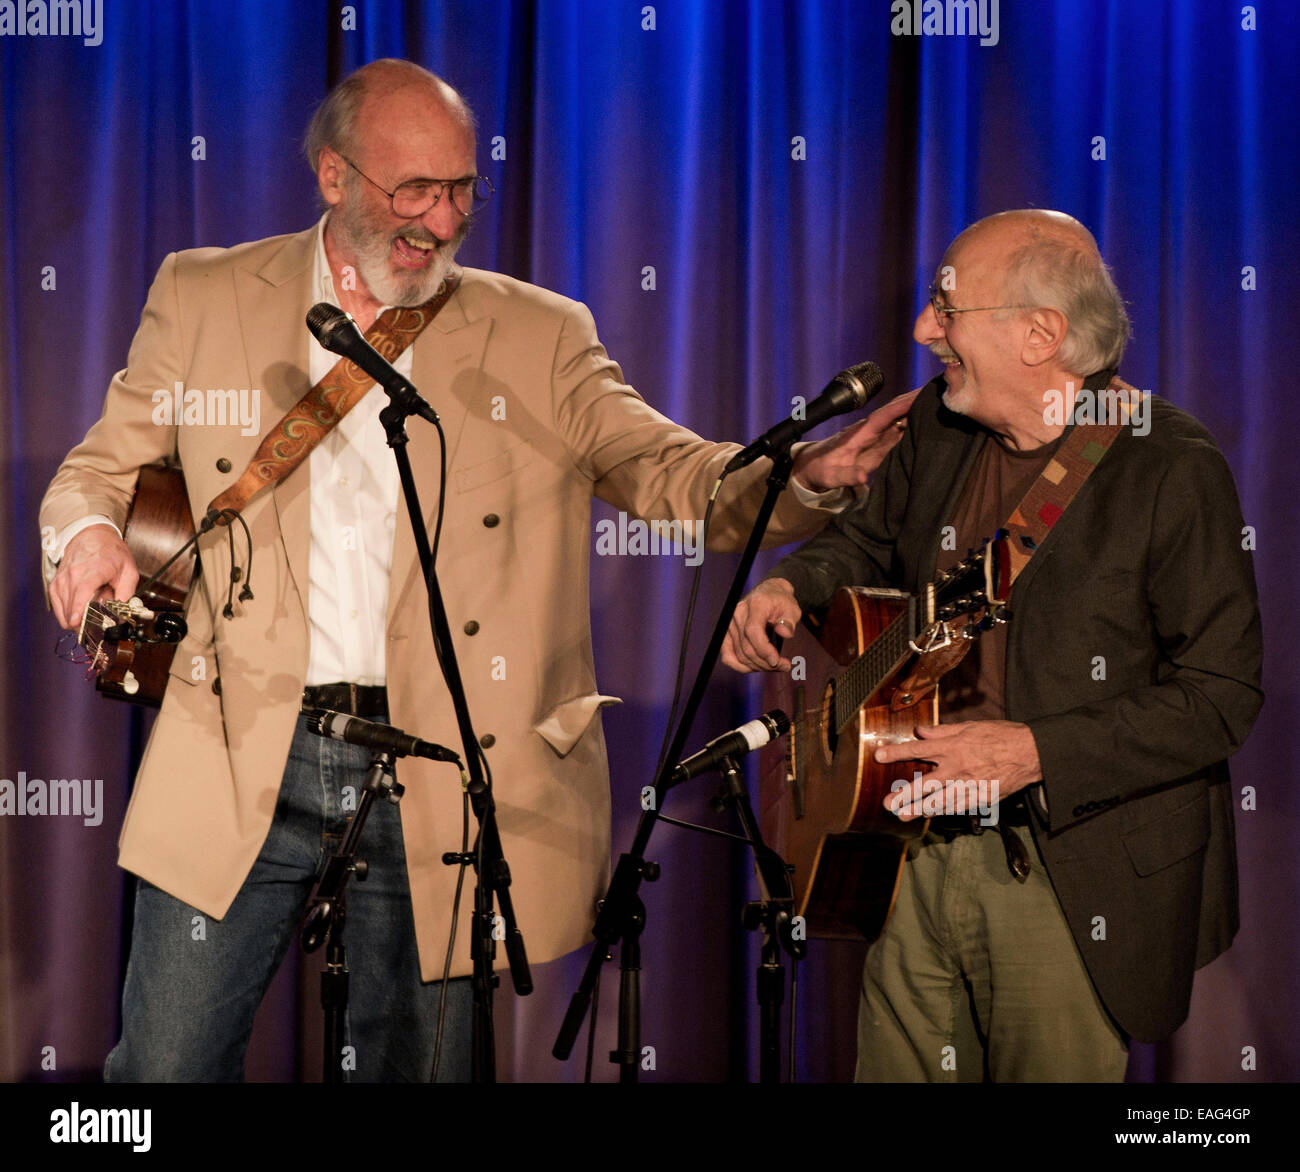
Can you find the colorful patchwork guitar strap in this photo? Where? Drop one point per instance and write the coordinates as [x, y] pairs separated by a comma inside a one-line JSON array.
[[1068, 470]]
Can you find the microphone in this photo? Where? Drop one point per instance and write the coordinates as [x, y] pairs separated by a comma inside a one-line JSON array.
[[382, 738], [847, 391], [745, 739], [337, 332]]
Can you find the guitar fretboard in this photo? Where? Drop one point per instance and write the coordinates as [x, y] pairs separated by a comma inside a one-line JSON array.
[[854, 685]]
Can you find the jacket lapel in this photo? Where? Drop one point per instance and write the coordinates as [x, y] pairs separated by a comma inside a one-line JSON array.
[[960, 457], [273, 303]]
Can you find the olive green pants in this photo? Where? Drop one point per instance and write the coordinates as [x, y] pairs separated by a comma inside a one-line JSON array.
[[978, 978]]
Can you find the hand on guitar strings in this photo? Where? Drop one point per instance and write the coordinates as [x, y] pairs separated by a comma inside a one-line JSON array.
[[748, 646], [996, 757], [96, 564]]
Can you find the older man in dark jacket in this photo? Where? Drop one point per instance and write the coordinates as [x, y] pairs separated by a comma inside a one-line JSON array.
[[1104, 710]]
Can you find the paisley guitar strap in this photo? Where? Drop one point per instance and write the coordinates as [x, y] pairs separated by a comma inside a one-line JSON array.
[[308, 421]]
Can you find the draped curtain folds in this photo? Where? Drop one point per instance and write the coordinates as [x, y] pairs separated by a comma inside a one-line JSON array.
[[750, 197]]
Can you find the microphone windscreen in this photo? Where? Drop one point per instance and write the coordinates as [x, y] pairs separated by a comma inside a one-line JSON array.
[[865, 379], [323, 319]]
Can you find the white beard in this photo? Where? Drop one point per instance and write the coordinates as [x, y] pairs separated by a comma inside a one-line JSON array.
[[371, 244], [961, 400], [399, 288]]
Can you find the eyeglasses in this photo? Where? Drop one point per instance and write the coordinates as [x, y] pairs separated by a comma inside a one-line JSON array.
[[944, 312], [417, 196]]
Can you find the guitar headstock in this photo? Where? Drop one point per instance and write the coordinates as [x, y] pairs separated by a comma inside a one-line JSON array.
[[110, 633], [981, 581]]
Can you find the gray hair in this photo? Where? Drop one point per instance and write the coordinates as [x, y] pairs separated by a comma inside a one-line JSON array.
[[334, 123], [1064, 275]]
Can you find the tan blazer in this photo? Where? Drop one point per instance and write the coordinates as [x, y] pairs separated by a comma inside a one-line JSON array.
[[538, 420]]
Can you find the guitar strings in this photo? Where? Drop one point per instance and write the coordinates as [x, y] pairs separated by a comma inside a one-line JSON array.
[[869, 667]]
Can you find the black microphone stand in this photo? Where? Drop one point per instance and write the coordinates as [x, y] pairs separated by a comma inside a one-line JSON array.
[[327, 916], [492, 875], [772, 913], [622, 914]]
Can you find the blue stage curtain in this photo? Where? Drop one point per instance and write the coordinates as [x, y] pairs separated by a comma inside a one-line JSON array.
[[749, 196]]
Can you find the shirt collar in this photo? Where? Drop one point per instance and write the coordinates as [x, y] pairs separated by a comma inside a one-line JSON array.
[[322, 281]]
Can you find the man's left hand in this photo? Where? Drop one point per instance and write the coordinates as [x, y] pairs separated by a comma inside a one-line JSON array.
[[1001, 753], [847, 458]]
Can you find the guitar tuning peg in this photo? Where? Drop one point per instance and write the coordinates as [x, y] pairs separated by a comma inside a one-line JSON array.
[[169, 627], [130, 685]]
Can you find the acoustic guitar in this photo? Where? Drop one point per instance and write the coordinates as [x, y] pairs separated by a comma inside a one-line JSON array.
[[131, 644], [867, 675]]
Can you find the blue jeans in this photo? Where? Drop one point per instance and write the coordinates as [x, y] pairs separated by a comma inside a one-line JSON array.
[[193, 983]]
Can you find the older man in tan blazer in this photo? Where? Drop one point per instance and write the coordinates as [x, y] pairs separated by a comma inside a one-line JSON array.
[[537, 420]]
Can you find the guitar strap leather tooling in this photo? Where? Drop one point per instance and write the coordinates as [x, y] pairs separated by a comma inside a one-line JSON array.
[[308, 421], [1099, 419]]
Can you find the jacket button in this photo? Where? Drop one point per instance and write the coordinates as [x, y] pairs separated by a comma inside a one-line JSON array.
[[487, 740], [223, 465], [491, 520], [216, 685], [471, 627]]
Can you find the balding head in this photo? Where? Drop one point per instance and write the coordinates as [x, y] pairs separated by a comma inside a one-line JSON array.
[[378, 96], [1026, 226], [1046, 258]]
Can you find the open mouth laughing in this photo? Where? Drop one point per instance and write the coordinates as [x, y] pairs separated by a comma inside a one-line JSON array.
[[414, 251]]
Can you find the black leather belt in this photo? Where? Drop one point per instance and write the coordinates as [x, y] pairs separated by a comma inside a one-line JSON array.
[[363, 700], [1012, 812]]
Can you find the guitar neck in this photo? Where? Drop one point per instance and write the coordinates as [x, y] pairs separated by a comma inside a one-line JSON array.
[[888, 651]]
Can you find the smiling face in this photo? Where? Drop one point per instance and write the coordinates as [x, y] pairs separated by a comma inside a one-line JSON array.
[[980, 349], [402, 134], [1001, 357]]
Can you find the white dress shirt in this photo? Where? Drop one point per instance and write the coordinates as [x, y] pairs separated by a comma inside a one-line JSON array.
[[354, 490]]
